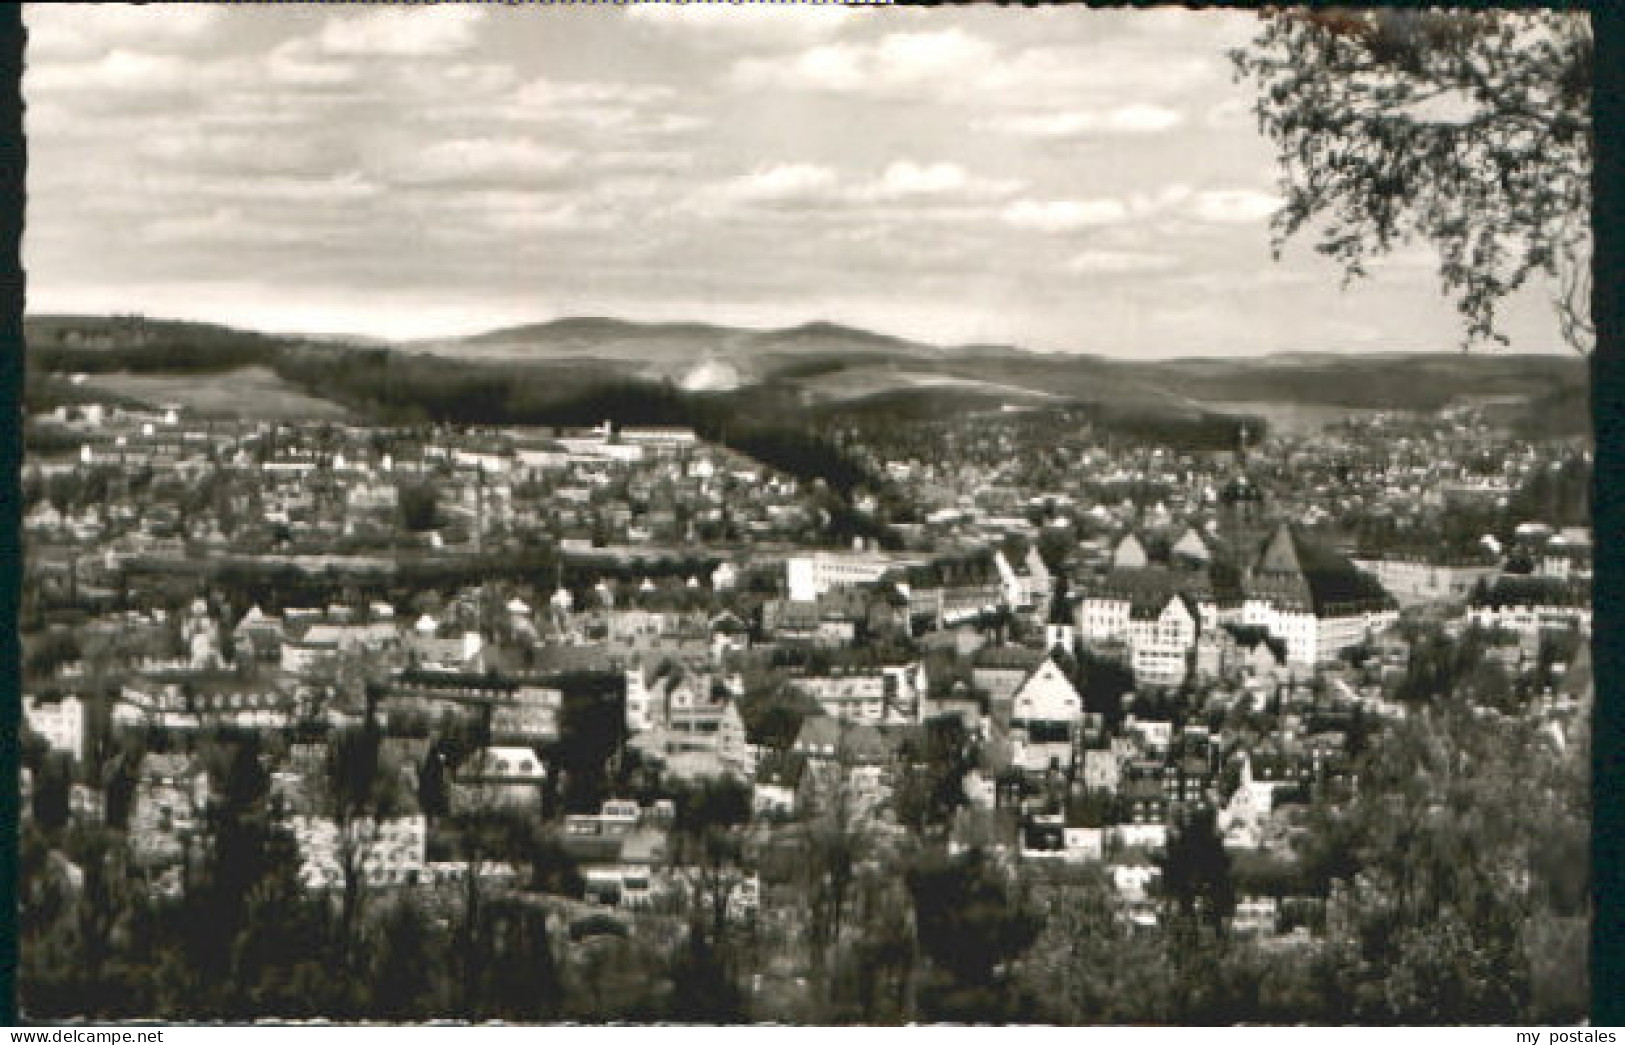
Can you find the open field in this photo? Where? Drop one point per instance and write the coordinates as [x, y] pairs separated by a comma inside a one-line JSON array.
[[1297, 419], [251, 391], [857, 382]]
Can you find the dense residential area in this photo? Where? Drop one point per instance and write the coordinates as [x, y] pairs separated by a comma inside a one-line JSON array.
[[1039, 721]]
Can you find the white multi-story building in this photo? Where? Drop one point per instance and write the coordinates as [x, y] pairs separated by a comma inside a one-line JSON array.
[[60, 722], [1292, 624], [660, 437], [654, 699], [301, 657], [1158, 616], [1025, 581], [1311, 637], [1103, 617], [1160, 646], [1531, 605], [1315, 602], [882, 694], [856, 697], [809, 576], [1044, 716]]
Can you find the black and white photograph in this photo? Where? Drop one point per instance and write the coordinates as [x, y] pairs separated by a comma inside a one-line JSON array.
[[805, 514]]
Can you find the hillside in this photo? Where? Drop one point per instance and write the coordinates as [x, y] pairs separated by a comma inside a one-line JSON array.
[[104, 344], [571, 370], [695, 356], [1375, 381], [254, 391]]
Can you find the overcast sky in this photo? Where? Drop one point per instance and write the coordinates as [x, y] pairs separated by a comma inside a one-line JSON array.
[[1062, 179]]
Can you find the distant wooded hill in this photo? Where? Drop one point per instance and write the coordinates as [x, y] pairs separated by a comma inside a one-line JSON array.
[[575, 371]]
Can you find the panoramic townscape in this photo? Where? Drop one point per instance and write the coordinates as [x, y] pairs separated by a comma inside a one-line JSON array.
[[735, 670], [623, 723]]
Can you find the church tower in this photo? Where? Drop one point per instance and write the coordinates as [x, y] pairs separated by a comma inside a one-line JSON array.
[[1060, 628], [1243, 512]]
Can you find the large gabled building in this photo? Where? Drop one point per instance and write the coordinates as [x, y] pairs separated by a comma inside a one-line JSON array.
[[1157, 610], [1252, 571], [1308, 596]]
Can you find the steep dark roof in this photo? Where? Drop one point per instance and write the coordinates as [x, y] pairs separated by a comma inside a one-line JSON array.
[[1280, 554], [1295, 569], [1149, 590]]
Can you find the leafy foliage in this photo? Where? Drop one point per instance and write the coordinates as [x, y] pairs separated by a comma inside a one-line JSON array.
[[1196, 875], [592, 731], [932, 782], [970, 926], [1470, 837], [1471, 131], [703, 988], [419, 507]]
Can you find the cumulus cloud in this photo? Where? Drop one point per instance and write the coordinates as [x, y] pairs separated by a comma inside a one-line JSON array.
[[473, 81], [229, 228], [1144, 119], [910, 57], [383, 168], [1127, 119], [837, 67], [900, 184], [300, 62], [908, 179], [897, 60], [307, 191], [1120, 262], [903, 180], [546, 93], [1229, 114], [403, 32], [1166, 198], [346, 187], [1122, 77], [596, 105], [568, 216], [475, 159], [85, 30], [623, 204], [730, 24], [1061, 216], [786, 182], [1233, 206], [1132, 90], [122, 73], [204, 146], [668, 161]]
